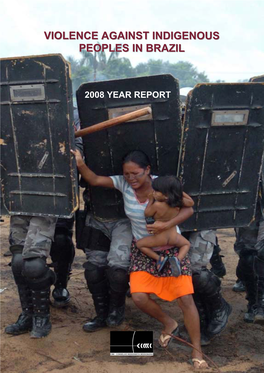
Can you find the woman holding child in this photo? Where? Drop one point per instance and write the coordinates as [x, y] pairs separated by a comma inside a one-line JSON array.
[[155, 274]]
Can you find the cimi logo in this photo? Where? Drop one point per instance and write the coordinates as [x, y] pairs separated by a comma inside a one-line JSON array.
[[131, 343]]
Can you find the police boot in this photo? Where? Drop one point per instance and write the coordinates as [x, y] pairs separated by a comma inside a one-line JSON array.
[[208, 286], [98, 286], [203, 314], [101, 307], [24, 322], [118, 282], [41, 318], [218, 267], [259, 306], [220, 311], [60, 293], [245, 272], [39, 278], [251, 293], [239, 286], [116, 313]]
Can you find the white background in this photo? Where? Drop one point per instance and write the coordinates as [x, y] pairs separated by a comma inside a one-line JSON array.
[[237, 55]]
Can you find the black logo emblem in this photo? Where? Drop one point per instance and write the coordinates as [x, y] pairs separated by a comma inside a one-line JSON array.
[[129, 343]]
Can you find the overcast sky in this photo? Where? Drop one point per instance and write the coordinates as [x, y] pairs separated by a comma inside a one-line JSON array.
[[238, 54]]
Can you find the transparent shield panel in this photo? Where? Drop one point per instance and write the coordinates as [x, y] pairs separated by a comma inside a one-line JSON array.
[[229, 118], [28, 92]]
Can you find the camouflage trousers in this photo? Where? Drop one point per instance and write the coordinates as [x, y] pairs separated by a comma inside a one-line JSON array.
[[34, 233], [120, 234], [202, 246]]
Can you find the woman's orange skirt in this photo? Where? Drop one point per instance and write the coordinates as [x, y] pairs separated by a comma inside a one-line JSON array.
[[167, 288]]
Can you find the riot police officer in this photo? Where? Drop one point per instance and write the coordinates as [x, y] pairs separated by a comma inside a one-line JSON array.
[[107, 247], [212, 307], [32, 239], [62, 249], [259, 271], [62, 254], [30, 242], [250, 247]]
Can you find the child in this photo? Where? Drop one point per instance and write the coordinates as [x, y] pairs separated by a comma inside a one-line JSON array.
[[164, 204]]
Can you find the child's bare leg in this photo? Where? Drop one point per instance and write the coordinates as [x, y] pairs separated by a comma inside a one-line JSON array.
[[176, 239], [145, 245], [173, 237], [160, 239], [149, 252]]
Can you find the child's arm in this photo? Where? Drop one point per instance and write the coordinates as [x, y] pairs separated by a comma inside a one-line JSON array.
[[187, 201]]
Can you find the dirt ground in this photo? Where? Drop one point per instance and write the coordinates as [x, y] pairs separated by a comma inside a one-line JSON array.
[[240, 347]]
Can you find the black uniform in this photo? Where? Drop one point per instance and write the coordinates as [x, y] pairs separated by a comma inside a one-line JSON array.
[[62, 249], [212, 307], [250, 248]]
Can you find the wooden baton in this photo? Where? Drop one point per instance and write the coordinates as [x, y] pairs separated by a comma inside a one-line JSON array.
[[113, 122]]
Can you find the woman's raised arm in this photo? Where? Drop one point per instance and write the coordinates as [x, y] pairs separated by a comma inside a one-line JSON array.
[[89, 175]]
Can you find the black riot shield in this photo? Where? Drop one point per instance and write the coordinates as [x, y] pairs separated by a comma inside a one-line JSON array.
[[38, 171], [260, 79], [223, 153], [157, 134], [257, 79]]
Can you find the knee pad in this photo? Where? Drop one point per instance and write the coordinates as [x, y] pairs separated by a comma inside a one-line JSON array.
[[62, 239], [205, 282], [118, 279], [17, 262], [95, 278], [35, 268], [62, 249], [37, 273], [245, 267], [93, 273]]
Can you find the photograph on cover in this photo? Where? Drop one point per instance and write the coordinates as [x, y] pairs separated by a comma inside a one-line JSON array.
[[132, 186]]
